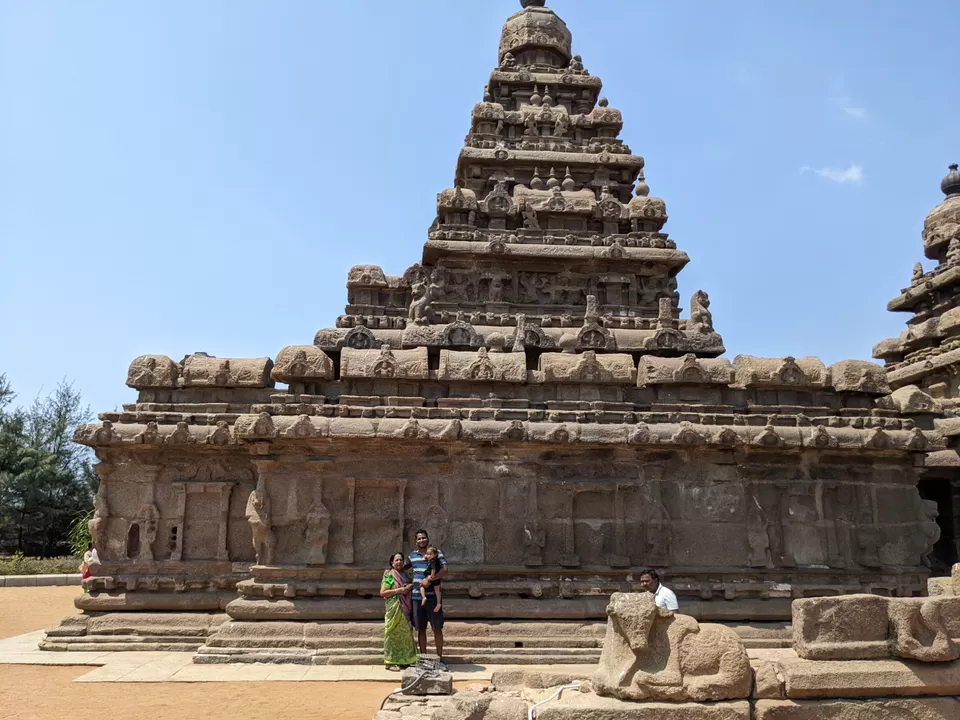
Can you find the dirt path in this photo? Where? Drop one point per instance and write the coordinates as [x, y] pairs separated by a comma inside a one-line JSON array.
[[24, 610], [41, 693]]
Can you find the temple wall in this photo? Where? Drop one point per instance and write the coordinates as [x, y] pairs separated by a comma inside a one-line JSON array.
[[538, 521]]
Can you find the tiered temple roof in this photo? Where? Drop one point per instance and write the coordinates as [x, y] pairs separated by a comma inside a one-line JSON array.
[[927, 353], [549, 238]]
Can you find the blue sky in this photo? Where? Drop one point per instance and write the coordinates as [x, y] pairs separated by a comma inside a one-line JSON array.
[[180, 176]]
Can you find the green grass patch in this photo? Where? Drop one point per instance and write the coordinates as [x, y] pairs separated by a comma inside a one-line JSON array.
[[20, 565]]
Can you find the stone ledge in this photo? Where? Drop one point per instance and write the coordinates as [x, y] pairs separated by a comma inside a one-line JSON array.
[[591, 707], [52, 580], [928, 709], [804, 679]]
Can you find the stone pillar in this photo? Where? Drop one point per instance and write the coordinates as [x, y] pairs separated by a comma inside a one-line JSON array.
[[787, 558], [620, 556], [569, 557], [180, 490], [223, 551]]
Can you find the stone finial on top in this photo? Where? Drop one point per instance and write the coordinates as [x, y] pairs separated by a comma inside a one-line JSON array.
[[950, 185], [533, 3]]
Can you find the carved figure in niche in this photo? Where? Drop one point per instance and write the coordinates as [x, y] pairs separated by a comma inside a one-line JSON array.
[[530, 221], [386, 366], [496, 289], [930, 529], [562, 126], [317, 534], [658, 535], [868, 540], [530, 127], [258, 515], [100, 513], [482, 368], [534, 540], [700, 315], [649, 656], [690, 370], [420, 306], [149, 520], [758, 534], [589, 369], [499, 130]]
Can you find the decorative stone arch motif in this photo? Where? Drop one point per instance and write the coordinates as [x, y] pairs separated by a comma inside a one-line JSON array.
[[789, 373], [690, 371], [593, 336], [360, 338], [461, 334], [533, 336], [665, 339], [386, 366]]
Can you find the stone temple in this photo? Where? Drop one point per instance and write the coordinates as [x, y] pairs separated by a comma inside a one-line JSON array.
[[535, 394]]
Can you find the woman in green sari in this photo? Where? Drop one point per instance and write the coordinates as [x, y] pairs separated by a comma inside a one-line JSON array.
[[398, 648]]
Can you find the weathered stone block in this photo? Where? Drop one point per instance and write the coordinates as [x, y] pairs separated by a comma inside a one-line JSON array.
[[653, 370], [756, 372], [302, 363], [482, 706], [588, 367], [869, 678], [482, 366], [916, 709], [202, 370], [863, 627], [385, 363], [859, 376], [588, 706], [434, 683], [153, 371]]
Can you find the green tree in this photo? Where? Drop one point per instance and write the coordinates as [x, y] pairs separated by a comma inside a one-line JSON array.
[[46, 481]]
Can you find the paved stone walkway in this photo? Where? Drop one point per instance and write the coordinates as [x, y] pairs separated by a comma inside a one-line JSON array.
[[179, 667]]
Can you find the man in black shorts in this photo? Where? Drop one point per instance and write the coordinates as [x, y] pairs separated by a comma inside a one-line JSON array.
[[427, 613]]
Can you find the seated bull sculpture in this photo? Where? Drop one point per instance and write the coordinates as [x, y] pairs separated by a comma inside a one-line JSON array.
[[651, 654]]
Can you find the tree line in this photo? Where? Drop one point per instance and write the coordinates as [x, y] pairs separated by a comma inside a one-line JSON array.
[[47, 482]]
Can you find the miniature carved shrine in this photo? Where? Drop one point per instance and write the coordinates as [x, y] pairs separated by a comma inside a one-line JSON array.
[[532, 393]]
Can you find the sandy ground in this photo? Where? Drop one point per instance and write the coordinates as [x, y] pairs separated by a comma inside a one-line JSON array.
[[44, 693]]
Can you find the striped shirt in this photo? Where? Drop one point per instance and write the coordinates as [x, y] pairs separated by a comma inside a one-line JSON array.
[[419, 564]]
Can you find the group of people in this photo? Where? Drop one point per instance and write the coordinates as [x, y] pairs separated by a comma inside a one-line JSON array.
[[413, 603]]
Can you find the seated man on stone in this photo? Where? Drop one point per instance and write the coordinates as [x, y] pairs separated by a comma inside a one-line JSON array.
[[663, 596]]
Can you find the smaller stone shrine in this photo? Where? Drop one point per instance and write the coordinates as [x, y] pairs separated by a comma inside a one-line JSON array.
[[923, 363]]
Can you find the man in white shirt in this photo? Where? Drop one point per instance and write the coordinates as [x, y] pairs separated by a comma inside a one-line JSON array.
[[664, 597]]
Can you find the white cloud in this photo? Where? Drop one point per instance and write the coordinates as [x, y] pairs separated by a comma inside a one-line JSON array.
[[849, 107], [857, 112], [853, 174]]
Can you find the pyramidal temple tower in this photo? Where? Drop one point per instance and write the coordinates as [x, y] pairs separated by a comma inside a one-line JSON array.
[[531, 394], [923, 363], [549, 239]]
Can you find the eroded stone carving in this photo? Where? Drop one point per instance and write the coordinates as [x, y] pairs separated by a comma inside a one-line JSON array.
[[652, 655], [867, 627], [258, 515], [304, 363], [202, 370], [153, 371]]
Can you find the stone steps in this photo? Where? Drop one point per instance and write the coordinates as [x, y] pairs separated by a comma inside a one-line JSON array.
[[377, 642], [455, 656]]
